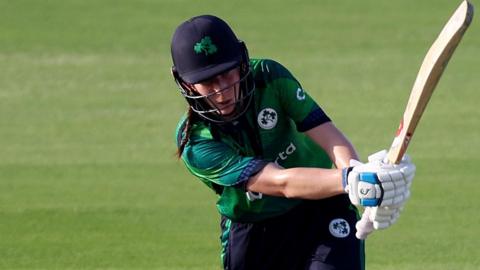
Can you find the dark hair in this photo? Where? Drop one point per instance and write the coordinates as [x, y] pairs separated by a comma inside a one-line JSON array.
[[184, 133]]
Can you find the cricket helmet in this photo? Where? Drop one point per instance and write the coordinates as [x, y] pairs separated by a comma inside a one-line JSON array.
[[202, 48]]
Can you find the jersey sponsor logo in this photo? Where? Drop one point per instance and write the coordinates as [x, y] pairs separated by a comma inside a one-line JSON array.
[[339, 228], [267, 118], [300, 94], [284, 155]]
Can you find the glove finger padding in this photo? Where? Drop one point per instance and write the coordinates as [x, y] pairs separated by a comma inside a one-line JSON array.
[[377, 183], [396, 180], [376, 218], [383, 218]]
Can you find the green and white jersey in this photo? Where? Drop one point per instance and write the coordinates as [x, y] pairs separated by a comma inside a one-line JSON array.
[[225, 156]]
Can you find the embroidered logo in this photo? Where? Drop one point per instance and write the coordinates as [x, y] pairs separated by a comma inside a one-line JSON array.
[[267, 118], [339, 228], [206, 46]]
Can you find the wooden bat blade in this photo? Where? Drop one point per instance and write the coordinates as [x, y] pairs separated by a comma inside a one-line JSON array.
[[428, 76]]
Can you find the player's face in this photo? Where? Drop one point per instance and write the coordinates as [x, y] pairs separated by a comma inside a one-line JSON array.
[[221, 91]]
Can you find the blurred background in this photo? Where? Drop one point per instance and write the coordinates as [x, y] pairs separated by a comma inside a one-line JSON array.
[[88, 173]]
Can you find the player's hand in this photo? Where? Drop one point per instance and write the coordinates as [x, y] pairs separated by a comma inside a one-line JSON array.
[[377, 183], [382, 217], [375, 218]]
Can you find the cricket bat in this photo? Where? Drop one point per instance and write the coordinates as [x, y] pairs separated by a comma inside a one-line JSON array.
[[428, 76]]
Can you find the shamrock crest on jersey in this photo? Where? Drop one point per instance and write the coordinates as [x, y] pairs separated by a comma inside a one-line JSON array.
[[339, 228], [267, 118]]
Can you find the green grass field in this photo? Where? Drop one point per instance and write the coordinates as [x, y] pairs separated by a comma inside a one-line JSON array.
[[88, 177]]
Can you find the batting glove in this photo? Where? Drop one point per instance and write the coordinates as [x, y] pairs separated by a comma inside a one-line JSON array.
[[385, 215], [377, 183], [376, 218]]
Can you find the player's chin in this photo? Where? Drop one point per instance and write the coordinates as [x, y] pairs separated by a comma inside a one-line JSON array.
[[228, 110], [228, 114]]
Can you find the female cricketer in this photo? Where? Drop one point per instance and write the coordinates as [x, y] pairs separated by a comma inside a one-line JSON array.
[[287, 179]]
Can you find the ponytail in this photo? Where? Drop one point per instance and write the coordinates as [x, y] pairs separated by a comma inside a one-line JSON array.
[[185, 132]]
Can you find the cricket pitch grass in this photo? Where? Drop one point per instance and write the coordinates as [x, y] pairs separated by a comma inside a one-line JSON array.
[[88, 175]]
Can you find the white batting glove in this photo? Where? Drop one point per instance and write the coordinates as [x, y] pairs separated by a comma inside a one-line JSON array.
[[365, 225], [385, 215], [376, 218], [377, 183]]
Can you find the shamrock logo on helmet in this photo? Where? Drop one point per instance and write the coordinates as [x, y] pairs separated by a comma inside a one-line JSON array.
[[205, 45]]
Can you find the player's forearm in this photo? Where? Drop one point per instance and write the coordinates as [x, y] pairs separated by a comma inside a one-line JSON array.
[[332, 140], [342, 155], [312, 183], [305, 183]]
